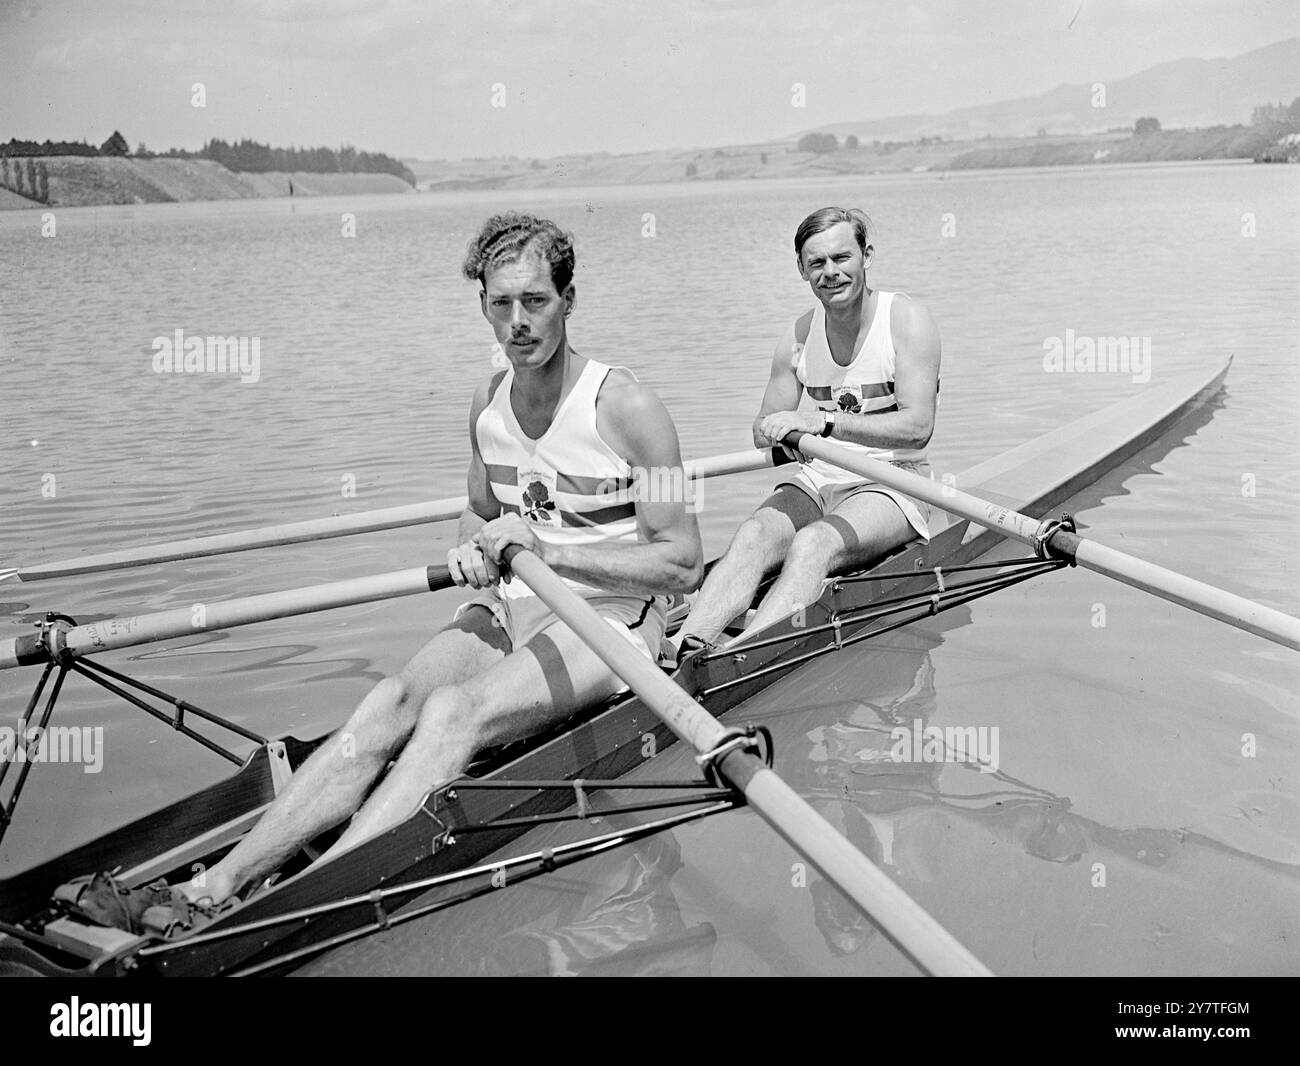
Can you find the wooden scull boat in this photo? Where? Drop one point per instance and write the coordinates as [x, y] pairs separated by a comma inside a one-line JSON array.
[[465, 825]]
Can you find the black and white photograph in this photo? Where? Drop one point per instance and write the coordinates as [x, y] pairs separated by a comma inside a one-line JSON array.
[[704, 488]]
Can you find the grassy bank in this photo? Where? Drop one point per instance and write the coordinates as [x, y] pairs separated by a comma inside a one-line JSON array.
[[1161, 146], [80, 181]]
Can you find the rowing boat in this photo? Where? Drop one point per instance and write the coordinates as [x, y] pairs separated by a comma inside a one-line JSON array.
[[468, 824]]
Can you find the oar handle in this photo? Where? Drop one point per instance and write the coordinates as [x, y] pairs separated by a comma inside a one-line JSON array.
[[439, 578]]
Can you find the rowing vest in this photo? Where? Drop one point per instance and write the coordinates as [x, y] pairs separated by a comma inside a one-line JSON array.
[[569, 485], [864, 387]]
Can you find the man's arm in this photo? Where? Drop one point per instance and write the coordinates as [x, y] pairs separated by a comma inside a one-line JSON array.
[[783, 389], [671, 559], [466, 562], [916, 381]]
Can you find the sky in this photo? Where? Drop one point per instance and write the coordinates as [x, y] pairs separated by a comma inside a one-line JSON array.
[[417, 78]]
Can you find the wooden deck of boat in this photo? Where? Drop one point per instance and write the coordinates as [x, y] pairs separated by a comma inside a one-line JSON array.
[[1039, 474]]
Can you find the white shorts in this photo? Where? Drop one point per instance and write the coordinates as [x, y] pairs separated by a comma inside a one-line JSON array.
[[828, 493], [639, 619]]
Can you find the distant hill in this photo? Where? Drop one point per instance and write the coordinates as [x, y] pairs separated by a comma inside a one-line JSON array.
[[1185, 92]]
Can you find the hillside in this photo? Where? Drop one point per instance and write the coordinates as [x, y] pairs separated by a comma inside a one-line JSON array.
[[766, 161], [77, 181], [733, 163], [1182, 93], [11, 200]]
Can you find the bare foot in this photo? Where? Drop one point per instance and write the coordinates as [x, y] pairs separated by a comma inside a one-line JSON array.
[[206, 886]]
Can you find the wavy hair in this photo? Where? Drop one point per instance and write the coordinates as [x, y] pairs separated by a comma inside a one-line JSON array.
[[507, 237]]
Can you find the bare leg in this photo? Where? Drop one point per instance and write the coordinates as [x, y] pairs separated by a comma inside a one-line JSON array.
[[860, 529], [330, 786], [547, 680], [759, 545]]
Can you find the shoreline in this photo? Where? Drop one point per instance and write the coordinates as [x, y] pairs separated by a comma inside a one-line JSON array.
[[77, 181]]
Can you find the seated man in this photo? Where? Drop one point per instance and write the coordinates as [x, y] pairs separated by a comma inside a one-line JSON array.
[[556, 441], [870, 362]]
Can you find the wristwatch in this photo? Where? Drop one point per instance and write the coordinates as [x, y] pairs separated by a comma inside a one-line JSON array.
[[829, 427]]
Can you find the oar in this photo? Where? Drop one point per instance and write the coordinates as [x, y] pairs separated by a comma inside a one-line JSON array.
[[246, 540], [202, 618], [326, 528], [911, 929], [1167, 584]]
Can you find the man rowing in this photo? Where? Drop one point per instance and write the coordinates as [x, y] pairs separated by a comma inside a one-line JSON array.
[[556, 441], [869, 360]]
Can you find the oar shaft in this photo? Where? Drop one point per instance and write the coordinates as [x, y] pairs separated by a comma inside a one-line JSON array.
[[204, 617], [328, 528], [249, 539], [1196, 595], [1186, 591], [910, 928]]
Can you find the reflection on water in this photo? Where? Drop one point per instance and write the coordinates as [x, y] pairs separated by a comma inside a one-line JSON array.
[[617, 916], [622, 920]]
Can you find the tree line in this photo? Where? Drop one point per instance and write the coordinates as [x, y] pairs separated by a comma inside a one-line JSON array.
[[1277, 114], [15, 147], [250, 156]]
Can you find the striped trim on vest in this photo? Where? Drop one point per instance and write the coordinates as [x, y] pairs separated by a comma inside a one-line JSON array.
[[568, 484]]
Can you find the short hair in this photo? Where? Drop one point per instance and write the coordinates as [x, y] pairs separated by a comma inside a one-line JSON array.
[[507, 237], [825, 218]]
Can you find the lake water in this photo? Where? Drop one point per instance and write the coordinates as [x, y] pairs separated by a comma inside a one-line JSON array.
[[1121, 746]]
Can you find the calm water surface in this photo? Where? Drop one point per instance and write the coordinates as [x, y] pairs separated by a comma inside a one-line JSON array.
[[1121, 747]]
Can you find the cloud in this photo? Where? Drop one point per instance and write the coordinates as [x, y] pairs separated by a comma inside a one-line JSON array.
[[76, 55]]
